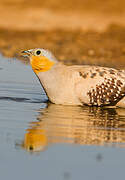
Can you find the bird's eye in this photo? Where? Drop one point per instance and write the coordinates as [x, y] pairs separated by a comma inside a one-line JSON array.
[[38, 52]]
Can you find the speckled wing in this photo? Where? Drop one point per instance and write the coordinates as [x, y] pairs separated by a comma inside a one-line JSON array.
[[100, 86]]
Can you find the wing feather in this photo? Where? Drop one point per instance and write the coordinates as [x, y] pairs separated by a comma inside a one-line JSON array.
[[99, 86]]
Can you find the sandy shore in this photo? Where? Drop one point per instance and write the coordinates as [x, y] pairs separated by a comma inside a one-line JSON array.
[[87, 34], [46, 19]]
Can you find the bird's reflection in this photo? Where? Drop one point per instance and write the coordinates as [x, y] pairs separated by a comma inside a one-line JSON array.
[[77, 125]]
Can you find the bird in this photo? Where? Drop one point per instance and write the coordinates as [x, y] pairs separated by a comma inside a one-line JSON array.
[[77, 84]]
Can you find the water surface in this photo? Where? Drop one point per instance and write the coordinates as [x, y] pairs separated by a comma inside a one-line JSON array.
[[40, 140]]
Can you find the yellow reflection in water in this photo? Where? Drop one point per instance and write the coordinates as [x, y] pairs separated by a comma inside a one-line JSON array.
[[77, 125]]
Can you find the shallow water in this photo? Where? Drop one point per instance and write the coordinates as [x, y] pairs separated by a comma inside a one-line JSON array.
[[40, 140]]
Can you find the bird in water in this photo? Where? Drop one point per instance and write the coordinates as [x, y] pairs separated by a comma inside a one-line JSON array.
[[77, 84]]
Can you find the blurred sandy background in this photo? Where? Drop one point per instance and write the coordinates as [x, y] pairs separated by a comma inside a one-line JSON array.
[[77, 31]]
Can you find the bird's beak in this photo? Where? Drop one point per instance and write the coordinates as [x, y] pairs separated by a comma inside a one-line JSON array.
[[26, 53]]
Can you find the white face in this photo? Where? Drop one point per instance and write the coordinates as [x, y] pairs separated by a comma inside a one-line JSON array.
[[40, 52]]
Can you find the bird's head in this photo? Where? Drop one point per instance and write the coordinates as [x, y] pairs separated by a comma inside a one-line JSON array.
[[41, 60]]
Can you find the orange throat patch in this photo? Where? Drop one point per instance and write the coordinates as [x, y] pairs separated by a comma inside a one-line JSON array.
[[41, 64]]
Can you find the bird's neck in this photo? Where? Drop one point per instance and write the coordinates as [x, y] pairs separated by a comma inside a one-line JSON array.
[[49, 79], [50, 75]]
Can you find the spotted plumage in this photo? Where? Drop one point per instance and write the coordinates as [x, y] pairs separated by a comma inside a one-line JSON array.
[[108, 89], [106, 93]]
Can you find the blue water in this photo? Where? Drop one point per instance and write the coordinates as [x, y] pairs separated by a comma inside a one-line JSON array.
[[40, 140]]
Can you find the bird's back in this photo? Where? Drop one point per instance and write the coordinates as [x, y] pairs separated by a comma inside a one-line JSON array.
[[100, 86]]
